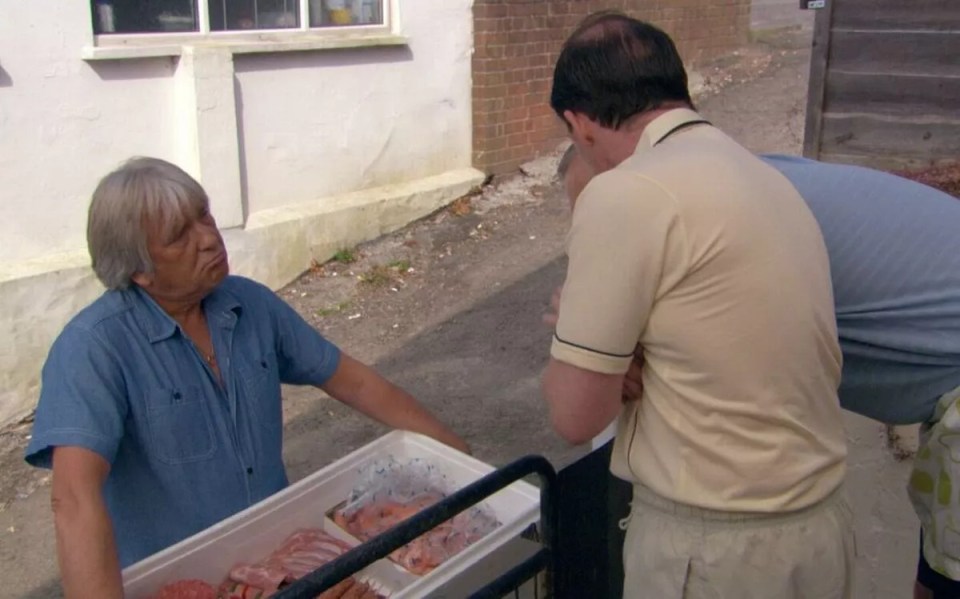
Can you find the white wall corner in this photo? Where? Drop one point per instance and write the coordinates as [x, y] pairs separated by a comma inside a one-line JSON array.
[[207, 134], [278, 244], [35, 304]]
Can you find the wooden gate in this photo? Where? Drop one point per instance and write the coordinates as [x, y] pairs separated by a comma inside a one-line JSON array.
[[885, 83]]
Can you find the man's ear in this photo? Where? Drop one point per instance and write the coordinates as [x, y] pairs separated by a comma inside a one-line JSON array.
[[581, 127], [142, 279]]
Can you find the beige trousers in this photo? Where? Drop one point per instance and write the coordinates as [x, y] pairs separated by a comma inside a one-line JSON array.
[[675, 551]]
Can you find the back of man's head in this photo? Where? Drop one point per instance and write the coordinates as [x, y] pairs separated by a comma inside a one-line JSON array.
[[613, 67]]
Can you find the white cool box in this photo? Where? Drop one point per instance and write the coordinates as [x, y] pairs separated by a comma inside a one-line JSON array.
[[251, 535]]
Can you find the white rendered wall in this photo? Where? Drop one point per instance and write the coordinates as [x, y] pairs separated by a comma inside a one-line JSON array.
[[327, 123], [302, 152]]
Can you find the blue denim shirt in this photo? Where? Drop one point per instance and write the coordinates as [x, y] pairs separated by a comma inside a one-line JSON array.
[[123, 380]]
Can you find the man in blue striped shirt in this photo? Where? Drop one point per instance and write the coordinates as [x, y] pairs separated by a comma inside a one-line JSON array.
[[894, 249]]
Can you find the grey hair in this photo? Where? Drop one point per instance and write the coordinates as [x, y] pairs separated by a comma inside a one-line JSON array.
[[564, 165], [141, 191]]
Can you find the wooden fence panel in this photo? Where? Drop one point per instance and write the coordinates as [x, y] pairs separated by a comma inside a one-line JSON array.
[[885, 83], [818, 80], [926, 15], [892, 95], [877, 136], [911, 53]]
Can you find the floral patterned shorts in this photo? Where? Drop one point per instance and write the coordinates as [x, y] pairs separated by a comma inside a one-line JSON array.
[[934, 486]]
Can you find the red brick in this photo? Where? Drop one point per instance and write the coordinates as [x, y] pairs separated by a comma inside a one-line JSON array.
[[512, 100], [495, 143], [519, 152], [530, 8], [516, 46], [484, 38], [517, 114], [488, 25], [518, 89], [490, 79], [496, 11]]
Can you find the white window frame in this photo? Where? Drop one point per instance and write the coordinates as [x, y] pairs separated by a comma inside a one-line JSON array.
[[143, 45]]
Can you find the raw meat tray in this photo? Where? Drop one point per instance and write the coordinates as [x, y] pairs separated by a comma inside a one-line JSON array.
[[251, 535]]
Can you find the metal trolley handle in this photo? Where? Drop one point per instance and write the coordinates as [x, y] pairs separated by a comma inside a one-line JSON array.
[[384, 544]]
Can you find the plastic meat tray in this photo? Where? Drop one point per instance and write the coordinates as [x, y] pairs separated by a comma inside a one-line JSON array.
[[251, 535]]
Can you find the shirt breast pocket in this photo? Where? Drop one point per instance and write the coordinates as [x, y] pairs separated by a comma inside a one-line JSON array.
[[180, 427]]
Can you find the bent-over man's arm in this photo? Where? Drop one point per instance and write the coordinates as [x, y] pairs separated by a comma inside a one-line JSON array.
[[86, 550], [624, 248], [582, 403]]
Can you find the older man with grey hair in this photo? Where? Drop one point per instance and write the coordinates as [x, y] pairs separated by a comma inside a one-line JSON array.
[[160, 404]]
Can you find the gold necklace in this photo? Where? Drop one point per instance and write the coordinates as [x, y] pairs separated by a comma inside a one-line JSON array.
[[211, 358]]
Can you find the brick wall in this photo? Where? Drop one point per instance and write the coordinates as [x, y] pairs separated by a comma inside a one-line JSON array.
[[516, 43]]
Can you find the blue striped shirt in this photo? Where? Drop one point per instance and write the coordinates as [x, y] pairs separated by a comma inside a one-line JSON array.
[[894, 249]]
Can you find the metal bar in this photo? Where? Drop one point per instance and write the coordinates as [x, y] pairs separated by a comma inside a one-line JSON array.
[[514, 577], [816, 89], [382, 545], [305, 14], [202, 14]]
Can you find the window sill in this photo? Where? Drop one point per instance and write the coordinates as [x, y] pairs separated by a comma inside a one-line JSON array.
[[277, 43]]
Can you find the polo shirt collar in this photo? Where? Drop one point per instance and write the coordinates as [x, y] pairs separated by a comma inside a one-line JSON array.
[[158, 325], [661, 126]]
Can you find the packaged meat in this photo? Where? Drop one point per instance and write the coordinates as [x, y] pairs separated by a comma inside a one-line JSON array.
[[263, 577], [187, 589], [305, 551], [350, 589], [300, 554], [388, 492], [238, 590], [253, 536]]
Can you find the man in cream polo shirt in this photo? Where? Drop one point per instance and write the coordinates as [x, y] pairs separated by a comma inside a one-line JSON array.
[[690, 250]]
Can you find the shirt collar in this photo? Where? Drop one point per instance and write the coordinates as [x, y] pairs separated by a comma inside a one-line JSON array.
[[661, 126], [220, 304]]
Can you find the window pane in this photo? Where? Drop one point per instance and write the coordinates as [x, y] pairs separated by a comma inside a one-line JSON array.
[[340, 13], [237, 15], [143, 16]]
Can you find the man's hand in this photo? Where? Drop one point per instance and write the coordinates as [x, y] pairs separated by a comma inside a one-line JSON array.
[[633, 379], [85, 545], [551, 317]]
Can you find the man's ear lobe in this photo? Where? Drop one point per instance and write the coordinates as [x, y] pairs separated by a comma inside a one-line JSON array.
[[142, 279], [581, 127]]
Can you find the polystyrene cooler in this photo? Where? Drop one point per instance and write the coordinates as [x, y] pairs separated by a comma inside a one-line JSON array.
[[251, 535]]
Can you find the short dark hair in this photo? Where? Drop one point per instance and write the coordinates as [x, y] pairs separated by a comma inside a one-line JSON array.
[[613, 67]]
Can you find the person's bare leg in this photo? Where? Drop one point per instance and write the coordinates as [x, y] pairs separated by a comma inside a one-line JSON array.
[[921, 592]]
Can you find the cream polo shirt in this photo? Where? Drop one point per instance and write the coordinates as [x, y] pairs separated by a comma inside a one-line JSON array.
[[710, 261]]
